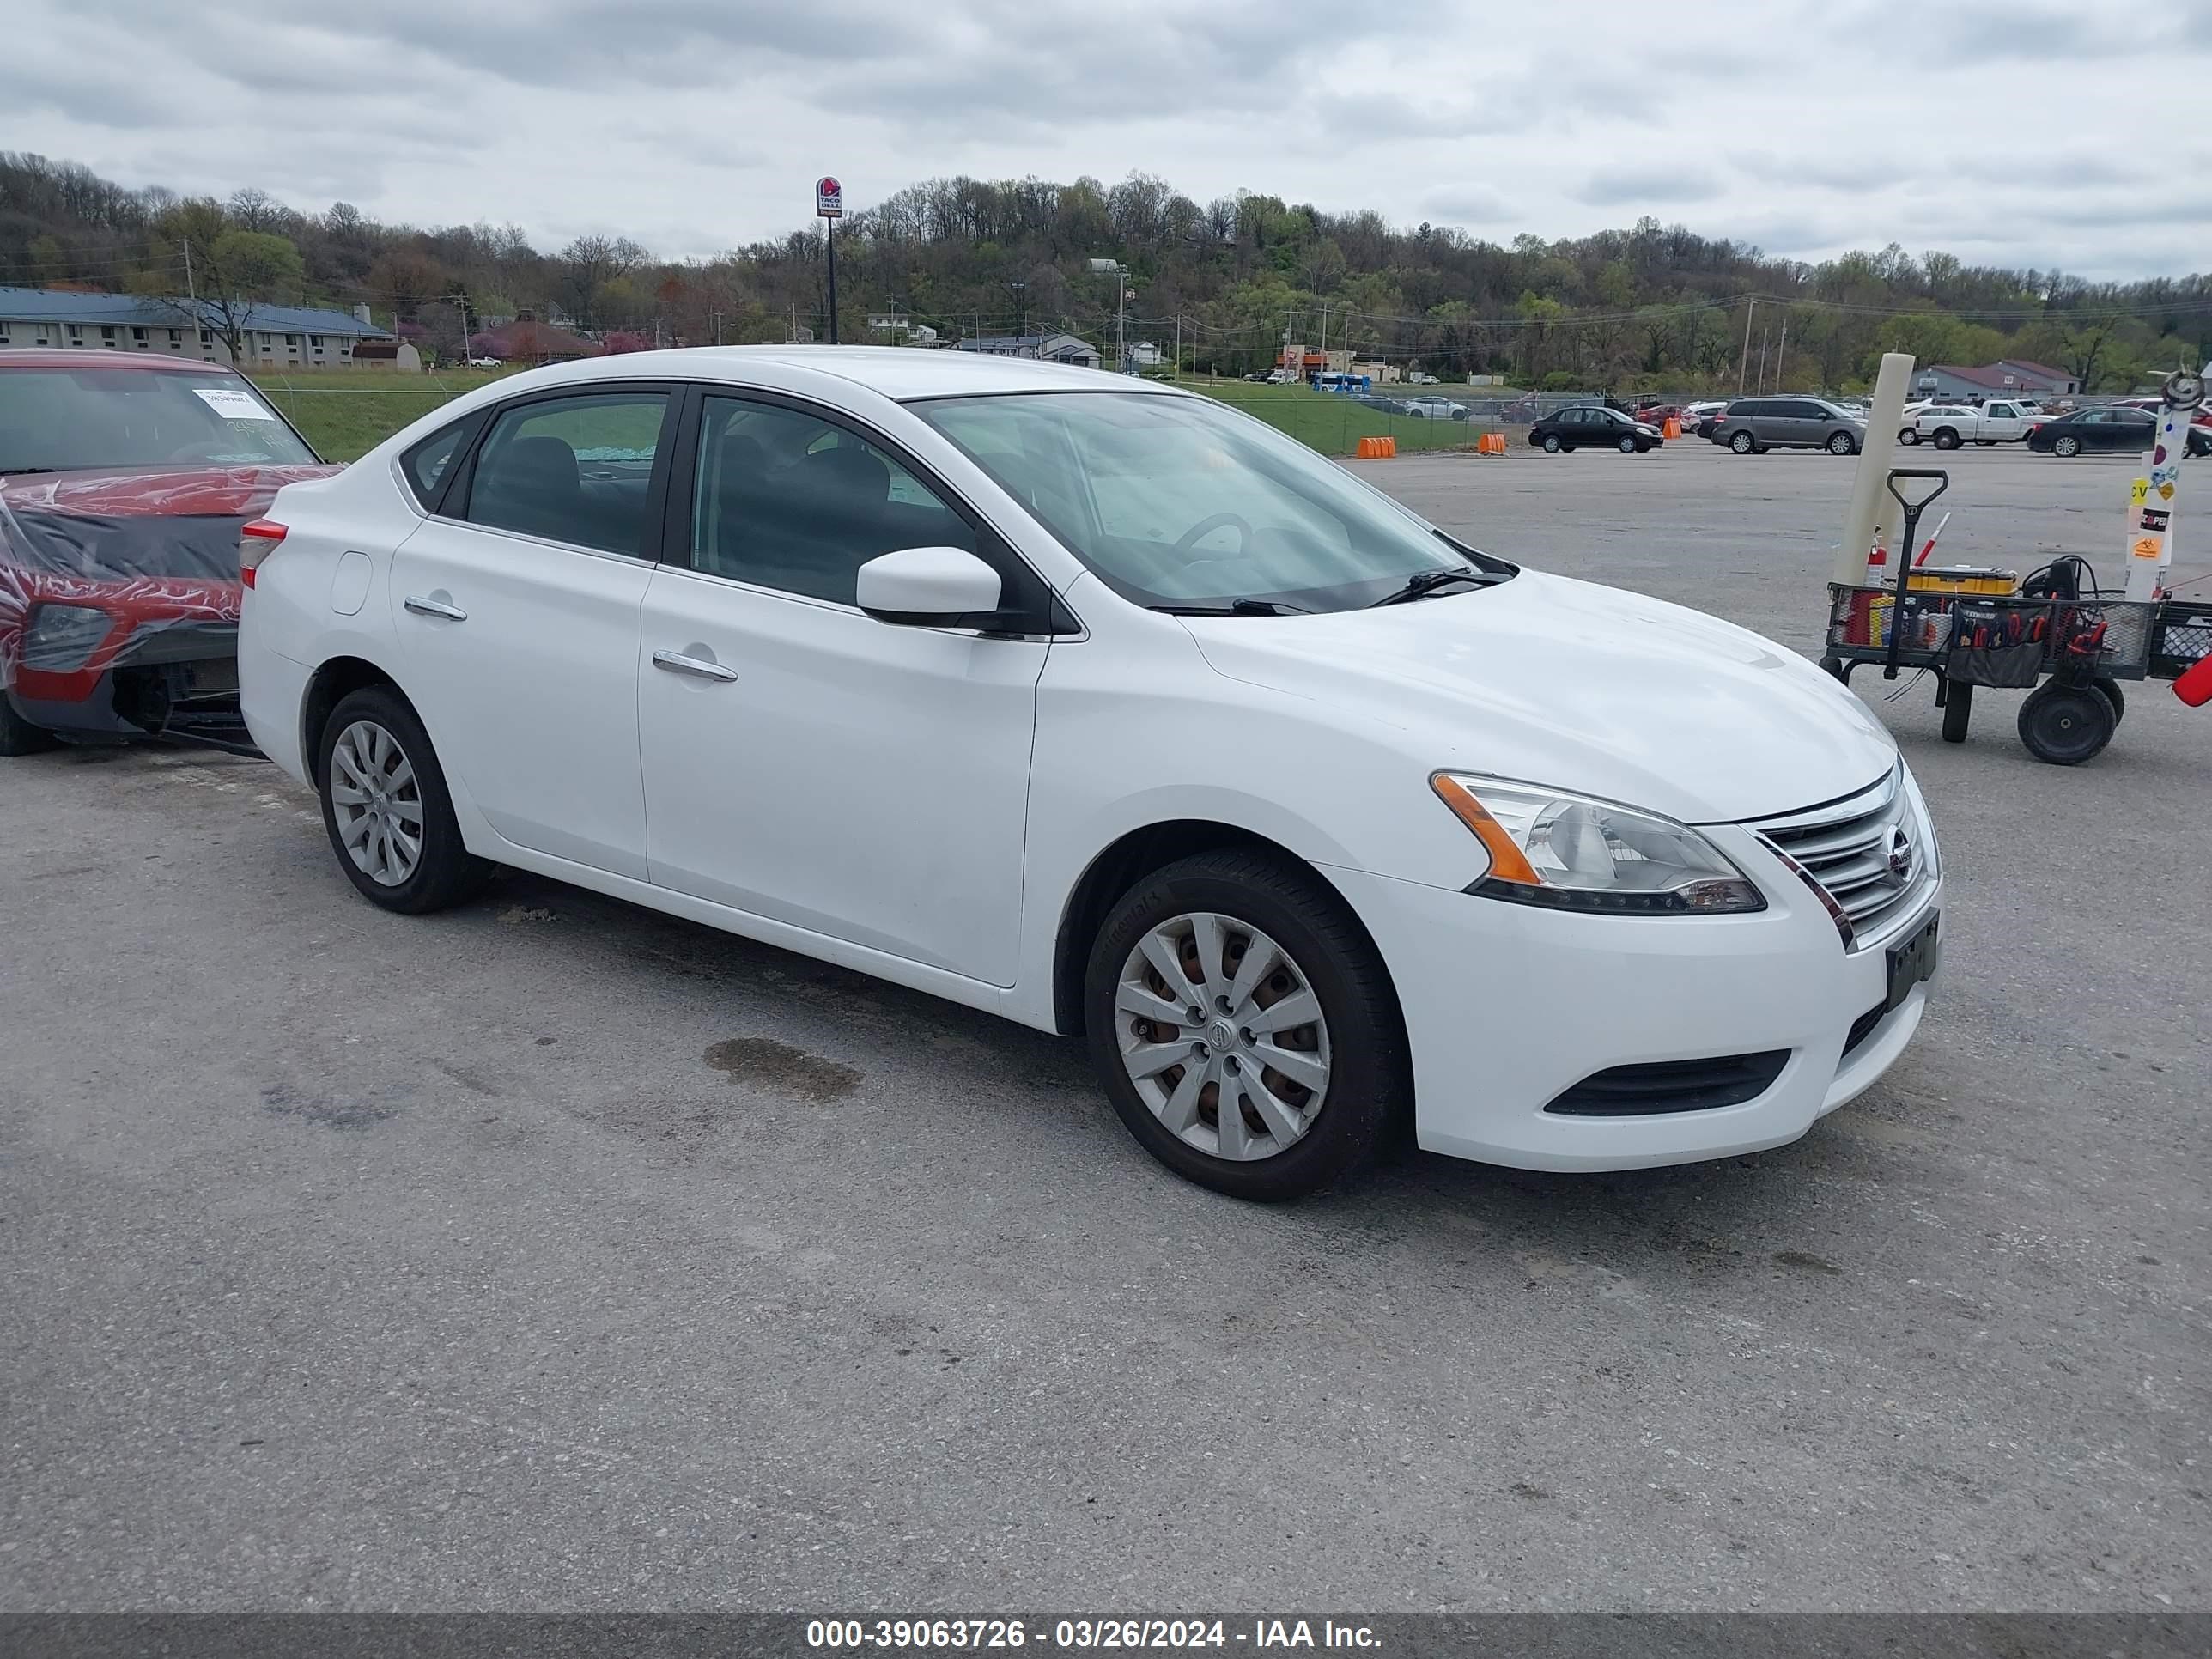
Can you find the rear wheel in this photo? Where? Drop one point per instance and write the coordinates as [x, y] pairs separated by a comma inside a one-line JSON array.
[[1244, 1027], [1908, 435], [1742, 443], [386, 809], [18, 736], [1958, 710], [2113, 696], [1947, 439]]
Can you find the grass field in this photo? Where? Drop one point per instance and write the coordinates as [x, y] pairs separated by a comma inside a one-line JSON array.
[[346, 413]]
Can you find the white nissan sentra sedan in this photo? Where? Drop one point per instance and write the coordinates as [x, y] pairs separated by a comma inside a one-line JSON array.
[[1099, 705]]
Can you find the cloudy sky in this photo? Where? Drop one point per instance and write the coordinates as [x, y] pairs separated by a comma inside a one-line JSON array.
[[2016, 133]]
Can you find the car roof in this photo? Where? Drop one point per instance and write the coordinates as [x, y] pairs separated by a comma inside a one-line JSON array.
[[896, 372], [60, 358]]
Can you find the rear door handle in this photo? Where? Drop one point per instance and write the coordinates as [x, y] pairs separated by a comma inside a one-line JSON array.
[[428, 607], [677, 662]]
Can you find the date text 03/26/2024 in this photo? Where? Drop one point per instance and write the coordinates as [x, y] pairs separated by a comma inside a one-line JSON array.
[[954, 1635]]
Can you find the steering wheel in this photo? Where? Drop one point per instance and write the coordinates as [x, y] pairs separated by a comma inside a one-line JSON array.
[[1207, 526]]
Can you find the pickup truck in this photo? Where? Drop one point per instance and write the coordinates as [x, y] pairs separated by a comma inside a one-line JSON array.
[[1948, 425]]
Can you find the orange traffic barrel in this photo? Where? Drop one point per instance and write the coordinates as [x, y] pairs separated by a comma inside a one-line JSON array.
[[1673, 428]]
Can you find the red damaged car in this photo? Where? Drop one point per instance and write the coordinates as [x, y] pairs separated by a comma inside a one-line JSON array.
[[124, 483]]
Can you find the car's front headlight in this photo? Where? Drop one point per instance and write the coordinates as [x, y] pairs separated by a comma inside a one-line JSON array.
[[1569, 852]]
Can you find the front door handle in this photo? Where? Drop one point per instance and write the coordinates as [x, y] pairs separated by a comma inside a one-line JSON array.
[[698, 667], [428, 607]]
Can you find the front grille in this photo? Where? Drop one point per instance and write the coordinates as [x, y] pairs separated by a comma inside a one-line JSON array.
[[1863, 1027], [1873, 852], [1672, 1085]]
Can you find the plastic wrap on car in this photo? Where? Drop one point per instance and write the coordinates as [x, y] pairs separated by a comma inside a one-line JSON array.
[[154, 553]]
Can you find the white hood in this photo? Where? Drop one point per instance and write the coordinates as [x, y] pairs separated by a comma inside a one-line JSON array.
[[1580, 687]]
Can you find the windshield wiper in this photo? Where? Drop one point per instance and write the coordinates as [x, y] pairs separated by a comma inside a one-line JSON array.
[[1426, 582], [13, 471], [1233, 608]]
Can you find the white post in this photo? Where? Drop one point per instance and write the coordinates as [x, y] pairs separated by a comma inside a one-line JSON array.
[[1872, 505], [2155, 497]]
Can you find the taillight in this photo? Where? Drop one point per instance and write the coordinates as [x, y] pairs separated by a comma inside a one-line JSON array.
[[256, 541]]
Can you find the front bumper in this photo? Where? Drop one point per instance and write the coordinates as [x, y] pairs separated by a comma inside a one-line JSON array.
[[1507, 1007]]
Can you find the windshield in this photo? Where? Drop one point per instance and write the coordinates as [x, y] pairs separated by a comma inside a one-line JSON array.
[[57, 420], [1179, 502]]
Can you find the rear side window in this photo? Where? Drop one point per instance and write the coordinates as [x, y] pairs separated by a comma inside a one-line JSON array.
[[576, 469], [428, 465]]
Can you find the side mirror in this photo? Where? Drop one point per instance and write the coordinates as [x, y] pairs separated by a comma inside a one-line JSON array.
[[930, 587]]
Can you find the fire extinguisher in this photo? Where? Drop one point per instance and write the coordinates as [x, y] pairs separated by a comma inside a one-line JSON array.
[[2194, 688]]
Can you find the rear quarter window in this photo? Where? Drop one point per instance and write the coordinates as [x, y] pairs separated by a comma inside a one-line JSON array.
[[430, 463]]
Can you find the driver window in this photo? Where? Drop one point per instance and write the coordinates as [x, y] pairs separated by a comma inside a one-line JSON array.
[[785, 500]]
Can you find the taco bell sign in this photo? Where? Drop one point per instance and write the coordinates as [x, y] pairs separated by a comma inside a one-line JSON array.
[[829, 199]]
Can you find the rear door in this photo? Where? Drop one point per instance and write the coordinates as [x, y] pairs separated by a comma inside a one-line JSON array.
[[516, 611]]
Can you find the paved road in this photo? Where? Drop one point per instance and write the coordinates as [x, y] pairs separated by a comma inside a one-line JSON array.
[[553, 1254]]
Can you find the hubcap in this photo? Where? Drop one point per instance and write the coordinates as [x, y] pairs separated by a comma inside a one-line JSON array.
[[1222, 1036], [377, 802]]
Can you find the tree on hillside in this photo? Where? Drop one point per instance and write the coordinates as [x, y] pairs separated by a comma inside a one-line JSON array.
[[235, 272], [588, 265]]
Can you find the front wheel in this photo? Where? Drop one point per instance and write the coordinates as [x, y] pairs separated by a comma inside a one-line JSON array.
[[1244, 1027], [18, 736], [1628, 446], [1840, 443], [387, 810], [1742, 443], [2066, 446], [2065, 724], [1551, 445], [1958, 710]]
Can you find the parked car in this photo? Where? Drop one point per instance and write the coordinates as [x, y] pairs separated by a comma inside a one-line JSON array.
[[868, 652], [1417, 378], [1436, 409], [1382, 405], [1752, 426], [1593, 426], [123, 480], [1948, 425], [1260, 377], [2113, 427], [1697, 418]]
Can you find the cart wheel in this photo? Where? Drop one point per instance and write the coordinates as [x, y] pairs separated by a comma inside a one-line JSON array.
[[1958, 711], [2114, 695], [1832, 665], [2066, 725]]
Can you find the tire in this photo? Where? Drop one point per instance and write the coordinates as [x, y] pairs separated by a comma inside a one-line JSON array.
[[2067, 444], [444, 872], [1552, 444], [18, 736], [1629, 446], [1947, 439], [1958, 711], [1908, 435], [1985, 443], [1832, 666], [1840, 443], [2113, 696], [2064, 725], [1743, 443], [1365, 1077]]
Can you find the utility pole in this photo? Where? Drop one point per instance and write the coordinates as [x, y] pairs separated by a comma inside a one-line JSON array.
[[1761, 386], [1744, 357], [1781, 351], [1178, 356]]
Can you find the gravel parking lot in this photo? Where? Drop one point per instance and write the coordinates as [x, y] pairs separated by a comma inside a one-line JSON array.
[[550, 1254]]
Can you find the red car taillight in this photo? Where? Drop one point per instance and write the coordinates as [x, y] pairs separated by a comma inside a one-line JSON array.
[[256, 541]]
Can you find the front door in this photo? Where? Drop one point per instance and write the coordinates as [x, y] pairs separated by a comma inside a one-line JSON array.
[[517, 622], [802, 761]]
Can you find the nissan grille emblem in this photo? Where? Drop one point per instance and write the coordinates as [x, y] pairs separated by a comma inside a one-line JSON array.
[[1901, 854]]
